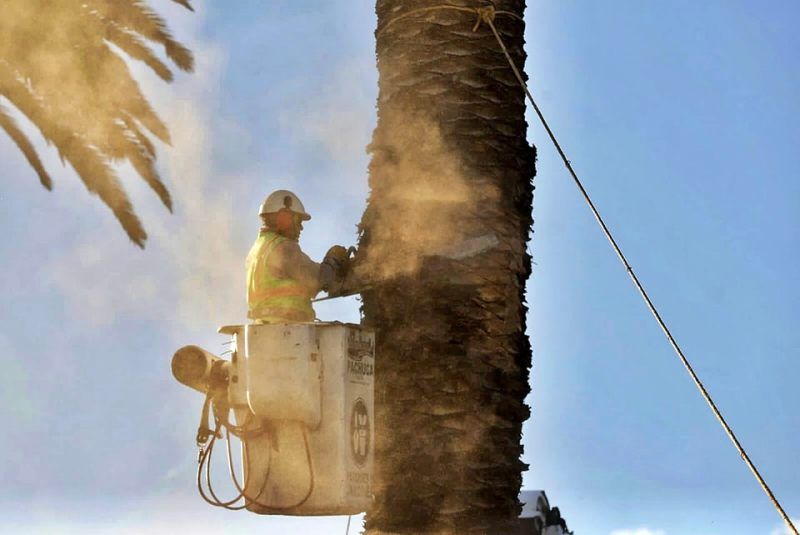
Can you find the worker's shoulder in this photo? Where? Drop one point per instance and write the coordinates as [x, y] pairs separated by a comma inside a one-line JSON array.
[[288, 248], [287, 244]]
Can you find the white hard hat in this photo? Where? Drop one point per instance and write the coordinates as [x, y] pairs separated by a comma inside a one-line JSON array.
[[280, 199]]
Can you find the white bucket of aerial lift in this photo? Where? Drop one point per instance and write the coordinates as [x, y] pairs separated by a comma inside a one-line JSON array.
[[282, 372], [313, 383]]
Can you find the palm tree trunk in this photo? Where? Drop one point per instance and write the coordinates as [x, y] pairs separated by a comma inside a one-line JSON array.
[[444, 238]]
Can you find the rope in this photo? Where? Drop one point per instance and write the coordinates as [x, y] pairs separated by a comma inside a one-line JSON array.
[[487, 15], [483, 15]]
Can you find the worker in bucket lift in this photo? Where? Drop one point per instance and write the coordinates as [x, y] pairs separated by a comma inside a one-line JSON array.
[[281, 279]]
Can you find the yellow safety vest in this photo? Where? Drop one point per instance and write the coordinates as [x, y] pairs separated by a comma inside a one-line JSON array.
[[269, 298]]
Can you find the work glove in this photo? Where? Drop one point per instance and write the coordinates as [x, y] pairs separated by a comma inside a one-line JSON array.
[[338, 258]]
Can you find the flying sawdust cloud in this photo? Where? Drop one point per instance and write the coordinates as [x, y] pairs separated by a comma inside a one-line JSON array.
[[421, 193]]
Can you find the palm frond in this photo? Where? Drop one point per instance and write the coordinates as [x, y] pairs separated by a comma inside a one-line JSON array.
[[105, 184], [110, 134], [8, 124], [66, 73], [134, 47], [137, 17], [90, 165], [124, 144], [120, 91], [184, 3], [133, 128]]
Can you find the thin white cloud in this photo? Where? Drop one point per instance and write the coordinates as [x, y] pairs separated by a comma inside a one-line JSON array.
[[17, 401], [164, 514], [638, 531], [338, 116], [784, 529]]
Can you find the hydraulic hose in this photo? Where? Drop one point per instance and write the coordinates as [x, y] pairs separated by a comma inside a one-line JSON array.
[[311, 478], [204, 463]]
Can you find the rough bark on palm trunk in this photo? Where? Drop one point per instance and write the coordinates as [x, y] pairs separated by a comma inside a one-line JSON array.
[[450, 162]]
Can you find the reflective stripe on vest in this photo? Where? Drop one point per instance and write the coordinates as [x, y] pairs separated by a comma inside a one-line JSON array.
[[270, 298]]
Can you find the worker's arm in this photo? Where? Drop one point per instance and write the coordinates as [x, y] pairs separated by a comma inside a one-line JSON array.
[[295, 264]]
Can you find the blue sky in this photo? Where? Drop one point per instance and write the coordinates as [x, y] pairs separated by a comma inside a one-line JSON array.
[[682, 119]]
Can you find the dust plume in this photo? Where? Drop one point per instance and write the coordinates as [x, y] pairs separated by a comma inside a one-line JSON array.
[[420, 197]]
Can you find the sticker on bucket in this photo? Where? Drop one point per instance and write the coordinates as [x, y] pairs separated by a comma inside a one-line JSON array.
[[360, 432]]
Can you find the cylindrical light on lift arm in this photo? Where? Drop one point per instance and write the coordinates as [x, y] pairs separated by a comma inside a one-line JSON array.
[[191, 366]]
